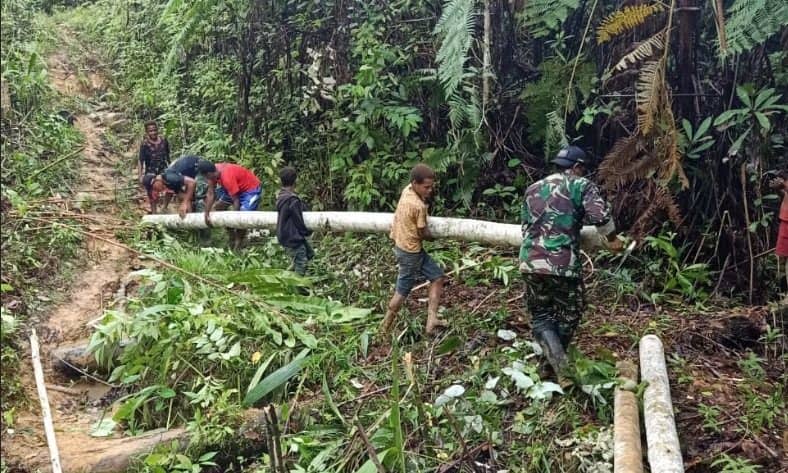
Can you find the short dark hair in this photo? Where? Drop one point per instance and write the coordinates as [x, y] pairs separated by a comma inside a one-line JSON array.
[[150, 123], [420, 172], [204, 166], [288, 176], [147, 181]]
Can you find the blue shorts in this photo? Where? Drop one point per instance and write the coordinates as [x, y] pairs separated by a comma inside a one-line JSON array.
[[413, 265], [249, 199]]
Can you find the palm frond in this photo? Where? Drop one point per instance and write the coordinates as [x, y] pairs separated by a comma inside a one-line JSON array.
[[644, 50], [626, 19], [455, 28]]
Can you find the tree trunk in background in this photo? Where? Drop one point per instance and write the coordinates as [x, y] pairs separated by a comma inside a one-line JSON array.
[[688, 16]]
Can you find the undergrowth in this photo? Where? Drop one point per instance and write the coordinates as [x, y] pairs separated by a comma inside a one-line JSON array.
[[39, 147]]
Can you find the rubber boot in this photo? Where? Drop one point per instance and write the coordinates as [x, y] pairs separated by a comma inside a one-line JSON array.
[[553, 350]]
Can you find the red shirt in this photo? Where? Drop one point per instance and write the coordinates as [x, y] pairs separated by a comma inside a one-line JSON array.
[[236, 179]]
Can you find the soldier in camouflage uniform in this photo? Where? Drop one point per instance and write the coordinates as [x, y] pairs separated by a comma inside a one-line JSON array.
[[554, 210]]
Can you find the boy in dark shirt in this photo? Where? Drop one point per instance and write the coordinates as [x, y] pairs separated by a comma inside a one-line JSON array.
[[154, 152], [290, 228], [170, 183]]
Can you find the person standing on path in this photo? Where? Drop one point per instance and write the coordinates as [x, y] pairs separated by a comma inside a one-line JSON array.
[[238, 188], [290, 228], [554, 210], [409, 230], [154, 154]]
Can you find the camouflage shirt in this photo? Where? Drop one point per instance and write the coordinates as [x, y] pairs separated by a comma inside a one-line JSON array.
[[554, 210]]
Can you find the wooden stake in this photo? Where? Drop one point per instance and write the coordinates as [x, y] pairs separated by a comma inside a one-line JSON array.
[[49, 427], [627, 451]]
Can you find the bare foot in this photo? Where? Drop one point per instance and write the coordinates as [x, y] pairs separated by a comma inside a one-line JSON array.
[[433, 323], [388, 321]]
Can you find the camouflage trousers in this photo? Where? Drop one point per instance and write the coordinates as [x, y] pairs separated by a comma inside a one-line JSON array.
[[555, 303]]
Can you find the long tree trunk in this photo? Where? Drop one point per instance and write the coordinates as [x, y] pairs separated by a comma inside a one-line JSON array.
[[482, 231], [664, 449]]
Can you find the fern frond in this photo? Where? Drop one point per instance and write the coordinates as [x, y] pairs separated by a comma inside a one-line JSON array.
[[555, 134], [621, 164], [626, 19], [668, 145], [751, 22], [658, 198], [644, 50], [650, 98], [455, 28], [541, 17]]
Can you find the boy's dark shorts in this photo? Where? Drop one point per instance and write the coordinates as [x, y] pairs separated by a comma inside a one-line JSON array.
[[413, 265]]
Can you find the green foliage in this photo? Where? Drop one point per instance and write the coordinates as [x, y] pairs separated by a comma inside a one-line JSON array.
[[190, 341], [673, 276], [455, 29], [711, 415], [547, 96], [752, 22], [543, 17], [38, 155], [693, 143], [730, 464], [759, 109]]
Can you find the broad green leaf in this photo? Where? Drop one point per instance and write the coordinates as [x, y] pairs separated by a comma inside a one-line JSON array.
[[544, 390], [734, 149], [703, 127], [276, 379], [763, 120], [305, 337], [103, 428], [725, 117], [687, 126], [449, 345], [369, 466], [259, 373], [762, 97], [741, 92]]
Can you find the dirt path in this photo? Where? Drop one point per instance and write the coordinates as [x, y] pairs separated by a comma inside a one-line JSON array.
[[92, 289]]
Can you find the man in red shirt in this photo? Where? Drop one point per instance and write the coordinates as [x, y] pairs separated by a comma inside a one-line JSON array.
[[780, 184], [239, 188]]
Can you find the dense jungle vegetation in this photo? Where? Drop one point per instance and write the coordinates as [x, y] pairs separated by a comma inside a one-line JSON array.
[[682, 103]]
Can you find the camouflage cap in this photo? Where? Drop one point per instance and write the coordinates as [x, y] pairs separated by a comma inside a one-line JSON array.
[[570, 156]]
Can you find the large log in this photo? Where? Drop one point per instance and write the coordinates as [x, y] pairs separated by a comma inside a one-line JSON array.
[[664, 452], [462, 229], [72, 358], [627, 452], [96, 455]]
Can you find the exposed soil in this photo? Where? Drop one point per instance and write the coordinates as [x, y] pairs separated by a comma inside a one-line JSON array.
[[92, 290]]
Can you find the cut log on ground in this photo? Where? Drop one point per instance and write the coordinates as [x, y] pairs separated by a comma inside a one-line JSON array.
[[482, 231], [664, 452], [113, 455], [627, 451], [75, 355]]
